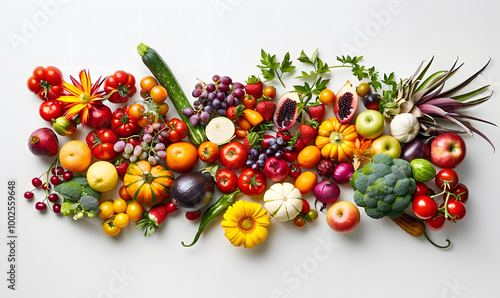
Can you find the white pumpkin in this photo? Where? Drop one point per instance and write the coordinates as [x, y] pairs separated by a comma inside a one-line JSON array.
[[404, 127], [283, 201]]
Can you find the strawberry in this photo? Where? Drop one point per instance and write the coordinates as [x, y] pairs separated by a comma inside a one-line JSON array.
[[252, 140], [121, 167], [152, 219], [266, 109], [254, 87], [316, 112], [308, 131]]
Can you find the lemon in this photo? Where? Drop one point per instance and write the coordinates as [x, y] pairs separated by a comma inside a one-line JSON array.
[[102, 176]]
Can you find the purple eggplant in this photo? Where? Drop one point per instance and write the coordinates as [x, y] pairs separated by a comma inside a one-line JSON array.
[[418, 148]]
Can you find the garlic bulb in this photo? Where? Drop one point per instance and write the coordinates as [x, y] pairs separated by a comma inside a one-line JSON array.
[[404, 127]]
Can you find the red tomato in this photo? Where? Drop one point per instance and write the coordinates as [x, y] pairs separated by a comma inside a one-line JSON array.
[[290, 156], [421, 190], [424, 207], [252, 183], [436, 223], [233, 155], [124, 85], [295, 171], [208, 152], [456, 209], [51, 109], [101, 142], [446, 178], [177, 129], [462, 193], [46, 82], [122, 124], [227, 181]]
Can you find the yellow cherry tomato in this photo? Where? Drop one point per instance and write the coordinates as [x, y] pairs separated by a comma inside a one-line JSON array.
[[270, 92], [327, 97], [120, 206], [134, 211], [147, 83], [106, 209], [110, 228], [121, 220], [158, 94], [163, 109]]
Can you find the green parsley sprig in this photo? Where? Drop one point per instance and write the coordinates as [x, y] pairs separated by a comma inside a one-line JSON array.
[[272, 69]]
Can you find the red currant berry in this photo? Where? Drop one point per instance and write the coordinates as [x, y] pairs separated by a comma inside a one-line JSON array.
[[171, 208], [29, 195], [56, 208], [60, 170], [193, 215], [67, 175], [53, 197], [36, 182], [55, 180], [40, 206]]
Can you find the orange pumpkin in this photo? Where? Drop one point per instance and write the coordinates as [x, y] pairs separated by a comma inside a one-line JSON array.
[[146, 184], [336, 140]]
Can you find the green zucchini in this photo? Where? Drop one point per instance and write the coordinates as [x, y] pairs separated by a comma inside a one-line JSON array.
[[166, 78]]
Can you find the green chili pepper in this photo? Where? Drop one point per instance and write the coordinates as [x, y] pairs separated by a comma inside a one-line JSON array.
[[213, 213]]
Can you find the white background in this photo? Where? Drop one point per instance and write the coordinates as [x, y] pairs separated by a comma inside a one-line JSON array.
[[59, 257]]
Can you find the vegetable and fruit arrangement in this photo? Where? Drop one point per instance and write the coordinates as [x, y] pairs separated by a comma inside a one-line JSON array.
[[264, 159]]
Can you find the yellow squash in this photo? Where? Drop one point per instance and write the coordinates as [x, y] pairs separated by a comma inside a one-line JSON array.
[[336, 140]]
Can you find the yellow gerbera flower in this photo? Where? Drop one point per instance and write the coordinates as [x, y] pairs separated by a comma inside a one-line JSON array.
[[245, 224], [82, 96]]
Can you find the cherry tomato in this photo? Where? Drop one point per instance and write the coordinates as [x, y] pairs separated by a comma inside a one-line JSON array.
[[163, 109], [270, 92], [51, 109], [249, 101], [120, 206], [456, 209], [327, 97], [171, 208], [123, 124], [233, 155], [421, 190], [158, 94], [136, 111], [208, 152], [147, 83], [462, 192], [305, 207], [178, 130], [143, 122], [290, 156], [227, 181], [110, 228], [299, 221], [446, 178], [193, 215], [134, 211], [424, 207], [312, 214], [252, 183], [240, 133], [106, 210], [124, 194], [295, 171], [121, 220], [363, 89], [436, 223]]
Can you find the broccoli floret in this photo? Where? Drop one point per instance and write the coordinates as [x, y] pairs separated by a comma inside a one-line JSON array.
[[89, 191], [383, 187], [90, 205], [68, 207], [70, 190], [82, 180]]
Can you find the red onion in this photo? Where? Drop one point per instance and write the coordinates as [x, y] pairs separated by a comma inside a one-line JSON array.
[[276, 169], [43, 142], [343, 172], [327, 191]]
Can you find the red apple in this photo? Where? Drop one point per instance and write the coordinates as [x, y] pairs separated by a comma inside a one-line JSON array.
[[447, 150], [343, 216]]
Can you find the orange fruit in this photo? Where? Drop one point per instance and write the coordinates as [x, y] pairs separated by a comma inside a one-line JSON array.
[[306, 182], [309, 157], [75, 156], [182, 157]]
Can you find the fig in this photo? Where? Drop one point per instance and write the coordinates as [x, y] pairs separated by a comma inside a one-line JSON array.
[[372, 101], [345, 103], [286, 114]]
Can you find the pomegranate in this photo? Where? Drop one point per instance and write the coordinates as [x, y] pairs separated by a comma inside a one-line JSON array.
[[286, 114], [345, 103]]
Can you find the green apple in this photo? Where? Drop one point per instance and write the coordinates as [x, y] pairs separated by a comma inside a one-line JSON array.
[[370, 124], [387, 145]]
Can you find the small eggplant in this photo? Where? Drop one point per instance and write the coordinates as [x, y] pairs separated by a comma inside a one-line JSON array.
[[193, 191], [418, 148]]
